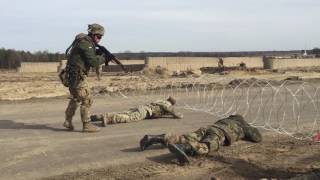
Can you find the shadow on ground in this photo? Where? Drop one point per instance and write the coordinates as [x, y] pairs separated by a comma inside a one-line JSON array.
[[251, 170], [163, 159], [10, 124], [137, 149]]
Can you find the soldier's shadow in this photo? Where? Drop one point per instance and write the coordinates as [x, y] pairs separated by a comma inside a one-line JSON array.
[[137, 149], [163, 159], [251, 170], [10, 124], [244, 168]]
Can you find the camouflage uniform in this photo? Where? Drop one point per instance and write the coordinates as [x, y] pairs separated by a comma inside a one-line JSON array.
[[153, 110], [207, 139], [82, 56], [220, 65]]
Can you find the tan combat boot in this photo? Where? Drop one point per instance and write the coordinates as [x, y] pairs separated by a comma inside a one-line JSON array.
[[68, 124], [89, 128]]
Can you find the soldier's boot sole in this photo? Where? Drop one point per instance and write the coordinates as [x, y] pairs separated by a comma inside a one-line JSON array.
[[181, 156], [68, 125], [144, 143]]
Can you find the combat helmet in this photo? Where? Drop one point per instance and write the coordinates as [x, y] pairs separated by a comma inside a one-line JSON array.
[[171, 100], [96, 29]]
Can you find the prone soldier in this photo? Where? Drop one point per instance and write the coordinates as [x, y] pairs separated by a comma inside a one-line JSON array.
[[206, 139], [153, 110]]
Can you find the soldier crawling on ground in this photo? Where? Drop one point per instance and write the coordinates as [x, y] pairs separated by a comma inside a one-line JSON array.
[[205, 140], [153, 110]]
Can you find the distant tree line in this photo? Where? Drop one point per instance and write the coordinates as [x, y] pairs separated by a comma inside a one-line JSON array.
[[11, 59], [143, 55], [315, 51]]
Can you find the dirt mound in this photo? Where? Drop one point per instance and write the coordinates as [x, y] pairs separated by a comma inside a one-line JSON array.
[[158, 71], [187, 74], [278, 157]]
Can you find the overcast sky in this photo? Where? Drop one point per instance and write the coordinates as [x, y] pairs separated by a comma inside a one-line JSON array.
[[163, 25]]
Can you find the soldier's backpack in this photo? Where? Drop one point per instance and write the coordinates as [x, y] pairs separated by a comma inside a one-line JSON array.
[[75, 41], [63, 75]]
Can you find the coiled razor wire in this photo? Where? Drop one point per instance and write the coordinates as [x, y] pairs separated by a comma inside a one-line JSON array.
[[286, 107]]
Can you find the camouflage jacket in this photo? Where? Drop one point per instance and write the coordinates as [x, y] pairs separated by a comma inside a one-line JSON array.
[[232, 127], [83, 54]]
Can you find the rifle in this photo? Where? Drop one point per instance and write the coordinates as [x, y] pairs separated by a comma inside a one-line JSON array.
[[108, 56]]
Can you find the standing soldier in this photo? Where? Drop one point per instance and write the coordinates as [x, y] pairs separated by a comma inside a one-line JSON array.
[[206, 139], [220, 65], [153, 110], [81, 56]]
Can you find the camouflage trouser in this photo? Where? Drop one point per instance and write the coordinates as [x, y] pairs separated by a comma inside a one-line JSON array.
[[203, 140], [80, 94], [206, 140], [134, 114]]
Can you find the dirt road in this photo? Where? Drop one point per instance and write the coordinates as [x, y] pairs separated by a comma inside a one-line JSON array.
[[35, 145]]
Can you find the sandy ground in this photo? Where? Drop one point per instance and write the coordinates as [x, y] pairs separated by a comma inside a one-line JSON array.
[[35, 146], [21, 86], [277, 157]]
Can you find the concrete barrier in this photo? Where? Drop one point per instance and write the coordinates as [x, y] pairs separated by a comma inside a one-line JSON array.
[[182, 63], [251, 62], [131, 65], [116, 68], [195, 63], [291, 63], [38, 67], [130, 62]]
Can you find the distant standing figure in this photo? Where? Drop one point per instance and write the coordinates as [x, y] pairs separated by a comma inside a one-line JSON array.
[[220, 65], [243, 66]]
